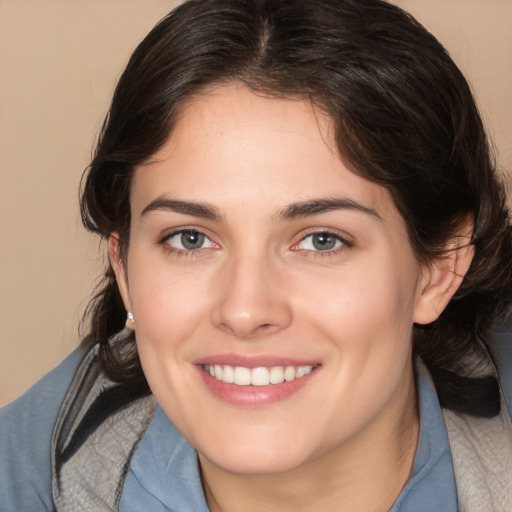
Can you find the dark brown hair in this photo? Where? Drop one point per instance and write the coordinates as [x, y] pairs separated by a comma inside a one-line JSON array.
[[404, 117]]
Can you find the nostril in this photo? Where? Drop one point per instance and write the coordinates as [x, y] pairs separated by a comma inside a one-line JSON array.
[[250, 305]]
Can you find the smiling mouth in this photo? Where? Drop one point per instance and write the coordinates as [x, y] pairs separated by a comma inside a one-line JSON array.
[[262, 376]]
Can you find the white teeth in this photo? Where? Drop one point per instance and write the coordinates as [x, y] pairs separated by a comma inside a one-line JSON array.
[[242, 376], [261, 376], [289, 373], [228, 374], [299, 372], [218, 372], [276, 375]]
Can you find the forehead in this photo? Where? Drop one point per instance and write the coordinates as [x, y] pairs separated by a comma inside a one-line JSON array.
[[233, 146]]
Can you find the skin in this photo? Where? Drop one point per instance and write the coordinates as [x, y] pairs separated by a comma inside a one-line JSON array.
[[259, 286]]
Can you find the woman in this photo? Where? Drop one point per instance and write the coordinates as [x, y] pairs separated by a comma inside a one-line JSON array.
[[308, 246]]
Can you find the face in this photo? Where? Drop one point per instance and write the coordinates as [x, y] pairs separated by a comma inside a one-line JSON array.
[[257, 257]]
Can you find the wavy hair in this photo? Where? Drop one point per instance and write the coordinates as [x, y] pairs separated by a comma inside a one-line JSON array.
[[404, 117]]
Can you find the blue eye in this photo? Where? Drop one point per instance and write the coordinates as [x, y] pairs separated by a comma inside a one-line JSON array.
[[189, 240], [323, 241]]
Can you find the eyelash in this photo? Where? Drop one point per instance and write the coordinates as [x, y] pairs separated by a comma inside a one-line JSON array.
[[164, 241], [343, 243]]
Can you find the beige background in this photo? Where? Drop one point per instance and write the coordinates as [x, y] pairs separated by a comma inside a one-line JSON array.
[[59, 60]]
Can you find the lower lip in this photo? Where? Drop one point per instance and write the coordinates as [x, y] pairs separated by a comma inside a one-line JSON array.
[[254, 396]]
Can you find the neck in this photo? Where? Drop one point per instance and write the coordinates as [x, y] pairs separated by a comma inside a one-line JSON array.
[[364, 475]]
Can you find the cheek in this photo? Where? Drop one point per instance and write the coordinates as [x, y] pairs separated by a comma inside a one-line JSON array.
[[166, 307], [167, 303], [367, 313]]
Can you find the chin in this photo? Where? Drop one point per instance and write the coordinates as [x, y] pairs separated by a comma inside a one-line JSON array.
[[261, 462], [256, 455]]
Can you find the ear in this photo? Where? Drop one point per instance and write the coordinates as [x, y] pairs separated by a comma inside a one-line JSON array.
[[118, 265], [443, 277]]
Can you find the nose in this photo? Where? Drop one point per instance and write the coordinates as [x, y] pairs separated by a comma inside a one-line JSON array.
[[250, 299]]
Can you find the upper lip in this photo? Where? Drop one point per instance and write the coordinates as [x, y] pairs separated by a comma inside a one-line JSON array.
[[253, 361]]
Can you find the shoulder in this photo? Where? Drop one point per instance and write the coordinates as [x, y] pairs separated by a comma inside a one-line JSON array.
[[499, 342], [26, 427]]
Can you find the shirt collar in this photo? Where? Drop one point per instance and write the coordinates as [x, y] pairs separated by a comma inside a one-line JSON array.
[[432, 482], [166, 465]]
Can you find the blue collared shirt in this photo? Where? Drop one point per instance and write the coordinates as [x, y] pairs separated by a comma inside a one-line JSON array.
[[164, 473]]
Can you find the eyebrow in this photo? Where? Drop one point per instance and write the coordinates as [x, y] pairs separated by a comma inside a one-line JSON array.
[[292, 211], [196, 209], [319, 206]]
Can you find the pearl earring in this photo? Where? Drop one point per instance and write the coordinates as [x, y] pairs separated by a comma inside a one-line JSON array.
[[130, 321]]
